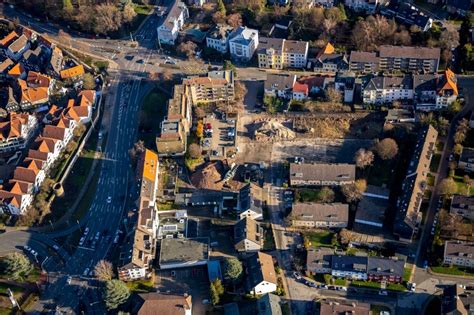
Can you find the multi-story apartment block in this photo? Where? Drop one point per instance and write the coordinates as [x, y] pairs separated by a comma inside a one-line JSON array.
[[144, 241], [276, 53], [218, 38], [433, 92], [459, 254], [321, 174], [466, 160], [243, 42], [384, 89], [408, 215], [279, 85], [462, 206], [217, 86], [16, 131], [350, 267], [319, 215], [396, 58], [173, 23]]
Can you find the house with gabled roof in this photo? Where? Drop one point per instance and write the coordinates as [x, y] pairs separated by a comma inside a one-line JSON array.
[[261, 274], [243, 42], [7, 40], [72, 72], [15, 197], [16, 131], [248, 235], [56, 62], [173, 23], [6, 65], [17, 71], [18, 47], [30, 172]]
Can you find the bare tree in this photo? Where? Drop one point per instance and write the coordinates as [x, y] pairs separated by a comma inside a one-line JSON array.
[[234, 20], [354, 192], [128, 13], [239, 90], [199, 112], [108, 18], [333, 96], [368, 34], [187, 48], [166, 75], [194, 150], [387, 149], [104, 270], [218, 17], [363, 158]]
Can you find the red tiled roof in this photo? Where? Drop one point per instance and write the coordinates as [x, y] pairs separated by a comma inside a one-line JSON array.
[[301, 88]]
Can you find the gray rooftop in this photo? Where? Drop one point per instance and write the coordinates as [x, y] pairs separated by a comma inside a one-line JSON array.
[[412, 52], [180, 250], [322, 172], [328, 212], [279, 81], [385, 266]]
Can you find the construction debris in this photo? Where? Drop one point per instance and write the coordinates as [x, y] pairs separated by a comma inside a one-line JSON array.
[[273, 130]]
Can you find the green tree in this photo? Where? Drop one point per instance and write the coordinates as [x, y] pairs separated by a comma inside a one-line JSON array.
[[221, 7], [88, 82], [216, 290], [326, 194], [455, 107], [465, 30], [232, 270], [15, 265], [115, 293], [229, 66]]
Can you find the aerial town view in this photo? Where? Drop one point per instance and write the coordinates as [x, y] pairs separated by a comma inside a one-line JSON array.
[[254, 157]]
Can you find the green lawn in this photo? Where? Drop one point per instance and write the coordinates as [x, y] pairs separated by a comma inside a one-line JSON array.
[[435, 160], [342, 282], [396, 287], [453, 270], [462, 187], [406, 274], [317, 239], [140, 286], [366, 284], [274, 104]]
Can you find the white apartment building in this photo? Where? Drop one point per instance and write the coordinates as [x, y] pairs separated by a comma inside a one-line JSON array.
[[276, 53], [459, 253], [218, 38], [168, 31], [381, 90], [242, 43]]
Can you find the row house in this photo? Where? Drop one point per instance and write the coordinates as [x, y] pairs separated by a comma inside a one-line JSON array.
[[371, 268], [459, 253], [16, 49], [395, 59], [8, 40], [6, 65], [243, 42], [408, 14], [327, 61], [462, 206], [276, 53], [302, 175], [466, 160], [169, 30], [15, 197], [408, 215], [145, 238], [319, 215], [16, 131], [261, 275]]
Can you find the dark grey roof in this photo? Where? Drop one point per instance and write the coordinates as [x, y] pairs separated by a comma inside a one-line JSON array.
[[459, 249], [460, 4], [467, 155], [349, 263], [462, 202], [385, 266], [231, 309], [322, 172], [279, 81], [247, 228], [425, 82], [180, 250], [220, 31], [363, 56], [412, 52], [383, 82], [319, 258], [338, 59], [269, 304], [265, 43], [329, 212]]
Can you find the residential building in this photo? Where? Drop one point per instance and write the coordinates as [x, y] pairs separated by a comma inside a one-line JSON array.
[[327, 61], [15, 197], [162, 303], [18, 47], [364, 62], [459, 253], [456, 300], [33, 59], [73, 72], [6, 65], [183, 252], [462, 206], [368, 6], [383, 89], [32, 97], [433, 92], [279, 85], [371, 209], [459, 7], [396, 58], [17, 71], [261, 275], [276, 53], [408, 215], [385, 269], [300, 91], [319, 260], [408, 14], [280, 28], [143, 251], [399, 115], [173, 23], [217, 86], [16, 131], [466, 160], [56, 62], [243, 42], [350, 267], [8, 39], [269, 304], [321, 174], [344, 307], [218, 38], [319, 215], [447, 90], [324, 3], [248, 235]]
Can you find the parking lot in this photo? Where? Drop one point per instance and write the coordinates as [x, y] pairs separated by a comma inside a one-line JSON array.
[[221, 139]]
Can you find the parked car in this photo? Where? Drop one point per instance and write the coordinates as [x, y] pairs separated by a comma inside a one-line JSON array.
[[425, 264], [296, 275], [86, 272], [383, 292], [69, 279], [412, 287]]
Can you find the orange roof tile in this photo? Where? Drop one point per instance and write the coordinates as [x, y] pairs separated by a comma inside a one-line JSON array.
[[17, 70], [301, 87], [87, 97], [8, 39], [327, 50], [72, 72], [450, 82]]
